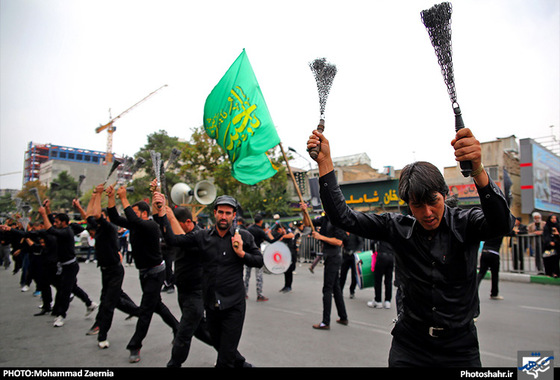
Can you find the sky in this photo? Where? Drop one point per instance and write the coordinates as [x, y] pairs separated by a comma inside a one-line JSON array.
[[66, 66]]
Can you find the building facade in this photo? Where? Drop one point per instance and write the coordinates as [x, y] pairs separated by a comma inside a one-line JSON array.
[[44, 162]]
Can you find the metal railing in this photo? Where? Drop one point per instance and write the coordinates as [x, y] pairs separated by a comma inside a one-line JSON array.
[[522, 254], [518, 254]]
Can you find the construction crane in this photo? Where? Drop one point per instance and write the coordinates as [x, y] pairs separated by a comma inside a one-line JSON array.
[[111, 128]]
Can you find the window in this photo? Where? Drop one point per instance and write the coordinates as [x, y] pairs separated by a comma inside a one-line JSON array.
[[494, 173]]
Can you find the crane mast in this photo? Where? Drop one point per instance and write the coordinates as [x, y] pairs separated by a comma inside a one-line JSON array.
[[111, 128]]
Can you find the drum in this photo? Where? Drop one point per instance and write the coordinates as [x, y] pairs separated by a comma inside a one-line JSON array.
[[277, 258], [364, 273]]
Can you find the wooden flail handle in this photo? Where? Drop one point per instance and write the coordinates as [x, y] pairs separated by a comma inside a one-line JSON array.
[[315, 151]]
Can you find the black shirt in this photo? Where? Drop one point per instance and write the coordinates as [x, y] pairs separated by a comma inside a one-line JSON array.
[[353, 243], [144, 237], [437, 272], [260, 235], [329, 230], [222, 269], [64, 243], [187, 264], [106, 242]]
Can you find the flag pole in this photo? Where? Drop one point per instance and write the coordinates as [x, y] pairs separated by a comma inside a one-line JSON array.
[[306, 217]]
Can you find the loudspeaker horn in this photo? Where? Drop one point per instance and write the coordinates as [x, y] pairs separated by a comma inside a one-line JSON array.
[[205, 192], [181, 194]]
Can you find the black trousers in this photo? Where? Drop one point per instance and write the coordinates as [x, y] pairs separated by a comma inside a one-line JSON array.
[[331, 289], [111, 287], [383, 275], [413, 347], [489, 260], [45, 279], [348, 262], [192, 314], [151, 303], [289, 274], [124, 304], [67, 283], [225, 327]]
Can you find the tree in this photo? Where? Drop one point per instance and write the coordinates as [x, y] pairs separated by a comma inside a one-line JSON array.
[[162, 143], [62, 192], [7, 204], [203, 158]]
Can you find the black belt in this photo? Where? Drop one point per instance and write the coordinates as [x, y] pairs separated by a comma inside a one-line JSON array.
[[435, 331], [149, 271], [116, 265]]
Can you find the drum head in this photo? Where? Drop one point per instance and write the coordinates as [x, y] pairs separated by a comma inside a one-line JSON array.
[[277, 257]]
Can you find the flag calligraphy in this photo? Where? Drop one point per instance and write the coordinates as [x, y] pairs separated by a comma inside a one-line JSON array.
[[237, 117]]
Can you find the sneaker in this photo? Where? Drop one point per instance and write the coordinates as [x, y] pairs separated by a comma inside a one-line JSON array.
[[261, 299], [285, 289], [58, 321], [375, 305], [91, 308], [93, 331], [496, 297], [342, 321], [311, 270], [103, 344], [387, 305], [352, 296], [36, 293], [134, 356], [24, 288]]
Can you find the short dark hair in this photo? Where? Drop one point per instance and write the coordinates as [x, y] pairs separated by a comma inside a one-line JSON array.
[[182, 214], [419, 181], [142, 206], [62, 217], [258, 218]]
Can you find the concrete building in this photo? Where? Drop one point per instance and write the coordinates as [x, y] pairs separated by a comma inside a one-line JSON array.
[[501, 161], [366, 189], [44, 162]]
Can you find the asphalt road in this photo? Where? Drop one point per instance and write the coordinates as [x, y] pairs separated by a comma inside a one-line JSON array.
[[277, 333]]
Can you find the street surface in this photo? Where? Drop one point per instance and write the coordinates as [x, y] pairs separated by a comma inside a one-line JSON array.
[[277, 333]]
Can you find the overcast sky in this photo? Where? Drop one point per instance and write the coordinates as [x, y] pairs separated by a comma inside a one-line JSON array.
[[65, 63]]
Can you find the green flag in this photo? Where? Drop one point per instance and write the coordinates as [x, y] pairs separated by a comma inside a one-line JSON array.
[[236, 115]]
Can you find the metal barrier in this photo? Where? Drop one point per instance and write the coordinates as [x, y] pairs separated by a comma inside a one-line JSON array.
[[522, 254], [310, 247], [518, 254]]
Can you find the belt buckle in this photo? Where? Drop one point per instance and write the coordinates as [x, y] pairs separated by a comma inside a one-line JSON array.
[[432, 330]]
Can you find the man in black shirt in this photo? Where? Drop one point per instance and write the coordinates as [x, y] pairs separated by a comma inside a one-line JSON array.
[[145, 241], [435, 251], [351, 244], [188, 279], [332, 238], [224, 252], [109, 261], [69, 268]]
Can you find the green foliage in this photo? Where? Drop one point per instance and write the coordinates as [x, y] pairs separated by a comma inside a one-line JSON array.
[[201, 159]]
